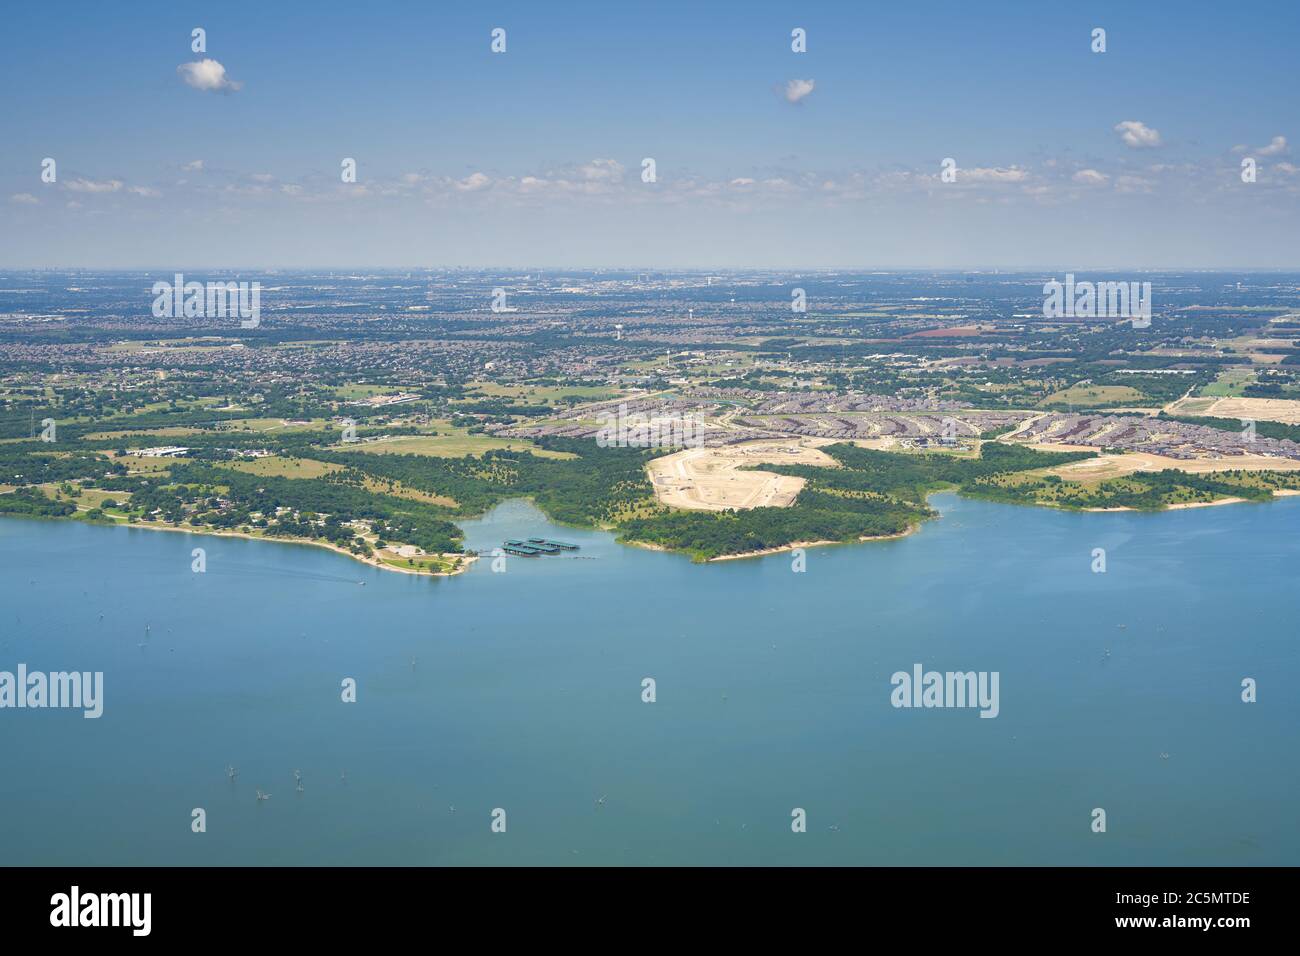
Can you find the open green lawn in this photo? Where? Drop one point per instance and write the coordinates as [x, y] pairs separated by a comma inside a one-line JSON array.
[[270, 425], [352, 393], [446, 446], [1231, 382], [542, 394], [1088, 395], [284, 467], [173, 432], [423, 562]]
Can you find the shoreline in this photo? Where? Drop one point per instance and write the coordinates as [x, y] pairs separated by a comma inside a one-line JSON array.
[[1184, 505], [911, 529], [465, 559], [650, 546]]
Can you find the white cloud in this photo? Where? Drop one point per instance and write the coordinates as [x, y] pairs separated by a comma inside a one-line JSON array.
[[90, 186], [1137, 135], [207, 75], [1133, 184], [261, 177], [194, 167], [25, 199], [602, 171], [473, 183], [291, 189], [1275, 148], [1090, 177], [995, 174], [144, 191], [742, 181], [1289, 168], [797, 90]]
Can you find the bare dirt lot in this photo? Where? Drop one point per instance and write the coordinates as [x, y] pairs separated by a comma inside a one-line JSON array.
[[709, 479], [1261, 409], [1117, 466]]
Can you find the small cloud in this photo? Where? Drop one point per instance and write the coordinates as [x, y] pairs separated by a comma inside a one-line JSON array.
[[1090, 177], [473, 183], [797, 90], [742, 181], [602, 171], [261, 177], [1276, 147], [194, 167], [24, 199], [144, 191], [90, 186], [996, 174], [1289, 168], [291, 189], [1137, 135], [207, 75], [1133, 184]]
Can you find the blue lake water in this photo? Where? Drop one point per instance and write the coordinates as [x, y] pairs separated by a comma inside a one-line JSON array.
[[773, 692]]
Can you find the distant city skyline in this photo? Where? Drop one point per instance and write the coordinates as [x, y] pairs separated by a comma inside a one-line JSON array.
[[763, 158]]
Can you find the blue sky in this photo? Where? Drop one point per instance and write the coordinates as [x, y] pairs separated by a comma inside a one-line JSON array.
[[533, 157]]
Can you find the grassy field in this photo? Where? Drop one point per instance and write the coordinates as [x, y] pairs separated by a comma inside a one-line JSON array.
[[423, 562], [135, 465], [455, 445], [542, 394], [285, 467], [1092, 395], [352, 393], [399, 490], [173, 432], [95, 498], [269, 425], [1230, 383], [1191, 406]]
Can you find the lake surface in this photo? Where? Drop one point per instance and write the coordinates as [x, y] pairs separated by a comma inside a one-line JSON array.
[[773, 692]]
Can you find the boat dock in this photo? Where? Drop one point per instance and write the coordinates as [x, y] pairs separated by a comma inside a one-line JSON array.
[[562, 545], [534, 547]]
